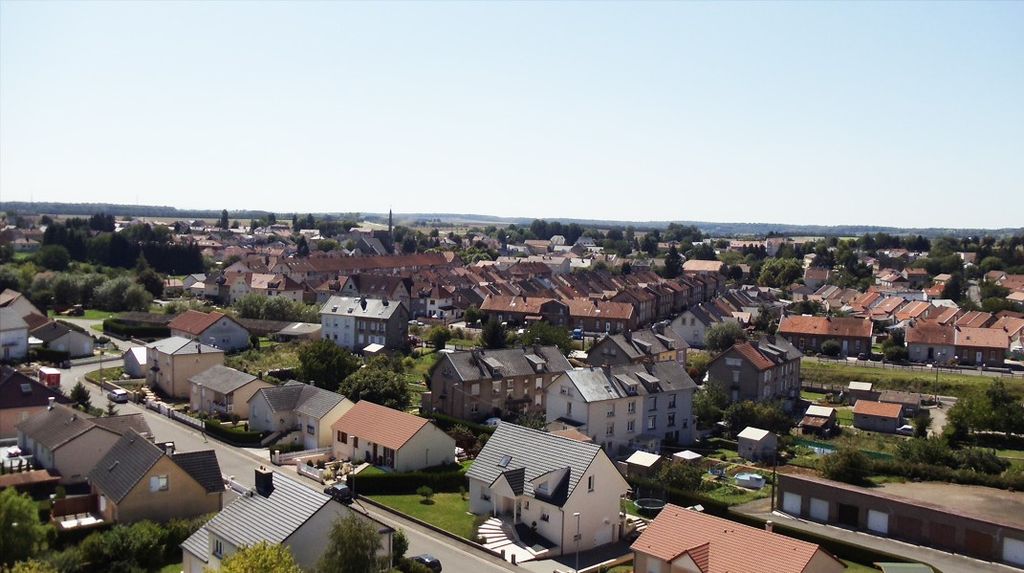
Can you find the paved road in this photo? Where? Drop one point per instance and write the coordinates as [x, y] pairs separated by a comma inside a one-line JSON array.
[[241, 463]]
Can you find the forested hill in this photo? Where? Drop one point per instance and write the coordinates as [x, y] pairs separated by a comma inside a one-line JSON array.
[[715, 229]]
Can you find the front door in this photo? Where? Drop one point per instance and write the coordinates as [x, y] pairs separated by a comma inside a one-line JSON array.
[[978, 357], [846, 346]]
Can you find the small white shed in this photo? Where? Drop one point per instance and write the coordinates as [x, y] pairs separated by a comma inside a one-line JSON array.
[[756, 444]]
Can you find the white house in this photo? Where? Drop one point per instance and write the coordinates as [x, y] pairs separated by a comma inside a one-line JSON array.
[[13, 335], [756, 444], [64, 337], [625, 407], [224, 391], [298, 407], [135, 364], [390, 438], [695, 321], [558, 485], [213, 328]]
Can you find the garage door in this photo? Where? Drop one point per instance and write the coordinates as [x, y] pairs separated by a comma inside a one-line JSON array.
[[878, 521], [1013, 551], [819, 509], [791, 503]]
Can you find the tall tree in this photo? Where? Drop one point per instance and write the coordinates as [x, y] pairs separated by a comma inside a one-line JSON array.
[[492, 335], [21, 534], [673, 263], [378, 385], [326, 364], [302, 248], [224, 223], [723, 335], [352, 547]]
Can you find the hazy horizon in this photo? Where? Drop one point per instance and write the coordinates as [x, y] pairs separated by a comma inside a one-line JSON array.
[[888, 114]]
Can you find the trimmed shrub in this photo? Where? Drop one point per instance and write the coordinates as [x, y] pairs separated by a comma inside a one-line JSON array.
[[446, 423], [122, 329], [50, 355], [230, 435]]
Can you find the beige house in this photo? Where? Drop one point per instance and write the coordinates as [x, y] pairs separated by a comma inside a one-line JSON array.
[[390, 438], [686, 541], [298, 407], [221, 390], [138, 480], [174, 361], [70, 442]]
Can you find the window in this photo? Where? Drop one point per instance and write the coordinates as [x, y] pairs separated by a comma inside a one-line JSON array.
[[654, 404], [484, 496], [504, 461], [631, 426], [671, 419], [568, 408], [544, 517], [355, 442], [610, 429], [508, 391], [310, 429], [538, 399], [342, 437], [631, 408], [218, 548], [538, 383], [672, 401], [590, 483], [158, 483], [526, 504], [611, 411], [651, 422], [473, 408], [496, 387], [474, 389], [733, 362], [563, 391]]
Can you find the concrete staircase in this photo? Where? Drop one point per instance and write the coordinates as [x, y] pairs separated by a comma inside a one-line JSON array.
[[500, 537]]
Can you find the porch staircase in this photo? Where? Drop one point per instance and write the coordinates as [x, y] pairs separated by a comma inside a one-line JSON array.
[[499, 536]]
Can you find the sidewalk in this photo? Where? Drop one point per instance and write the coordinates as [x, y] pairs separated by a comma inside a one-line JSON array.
[[945, 562]]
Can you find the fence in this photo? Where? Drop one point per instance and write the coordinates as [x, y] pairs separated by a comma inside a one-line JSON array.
[[186, 419], [290, 457], [311, 472]]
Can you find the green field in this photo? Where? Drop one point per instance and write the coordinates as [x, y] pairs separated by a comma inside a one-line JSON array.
[[449, 511], [816, 373]]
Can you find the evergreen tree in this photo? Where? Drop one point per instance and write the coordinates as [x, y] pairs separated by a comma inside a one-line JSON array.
[[673, 263], [493, 334], [224, 219]]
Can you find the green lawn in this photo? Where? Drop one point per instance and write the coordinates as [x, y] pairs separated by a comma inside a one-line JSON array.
[[841, 374], [90, 314], [172, 568], [114, 373], [845, 416], [852, 567], [256, 361], [812, 396], [449, 511]]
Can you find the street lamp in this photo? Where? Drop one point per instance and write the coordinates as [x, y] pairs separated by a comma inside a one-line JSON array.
[[577, 538]]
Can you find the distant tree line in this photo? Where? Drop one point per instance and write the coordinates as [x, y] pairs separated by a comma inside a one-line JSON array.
[[93, 240]]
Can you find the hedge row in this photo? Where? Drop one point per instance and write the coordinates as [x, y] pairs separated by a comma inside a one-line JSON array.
[[120, 328], [407, 483], [926, 472], [214, 428], [50, 355], [446, 423]]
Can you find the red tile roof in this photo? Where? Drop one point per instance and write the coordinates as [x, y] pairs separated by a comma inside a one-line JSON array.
[[194, 322], [929, 332], [753, 355], [718, 545], [880, 409], [380, 425], [826, 326]]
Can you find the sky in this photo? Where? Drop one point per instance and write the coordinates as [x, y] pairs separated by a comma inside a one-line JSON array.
[[903, 114]]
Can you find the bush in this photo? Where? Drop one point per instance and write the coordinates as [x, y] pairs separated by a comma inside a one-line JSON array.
[[846, 465], [49, 355], [447, 423], [426, 493], [122, 329], [231, 435], [407, 483], [831, 348]]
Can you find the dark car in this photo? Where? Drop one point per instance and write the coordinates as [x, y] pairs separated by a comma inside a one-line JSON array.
[[430, 561], [339, 492]]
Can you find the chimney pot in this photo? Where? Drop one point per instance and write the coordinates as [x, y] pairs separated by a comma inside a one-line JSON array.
[[769, 526], [49, 402]]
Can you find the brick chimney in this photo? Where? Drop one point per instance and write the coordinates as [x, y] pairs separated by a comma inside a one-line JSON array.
[[264, 481]]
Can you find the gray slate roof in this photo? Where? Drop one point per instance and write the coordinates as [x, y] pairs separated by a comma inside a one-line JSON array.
[[536, 453], [597, 384], [121, 424], [57, 426], [487, 364], [251, 519], [360, 307], [304, 399], [222, 379], [178, 345], [198, 544], [124, 465], [203, 467]]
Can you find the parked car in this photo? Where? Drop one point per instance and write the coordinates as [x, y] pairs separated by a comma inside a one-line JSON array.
[[577, 334], [905, 430], [118, 395], [339, 492], [430, 561], [492, 422]]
